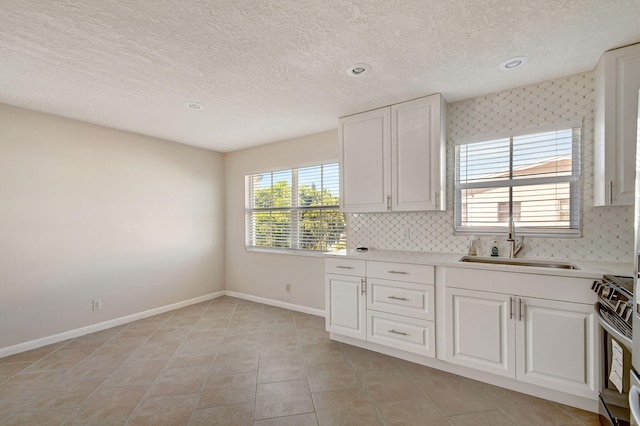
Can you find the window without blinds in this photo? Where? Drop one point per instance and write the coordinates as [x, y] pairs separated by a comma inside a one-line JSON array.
[[532, 178], [295, 209]]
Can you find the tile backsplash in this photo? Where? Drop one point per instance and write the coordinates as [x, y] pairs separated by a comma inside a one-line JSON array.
[[607, 232]]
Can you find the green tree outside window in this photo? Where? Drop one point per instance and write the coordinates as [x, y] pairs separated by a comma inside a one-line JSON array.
[[295, 209]]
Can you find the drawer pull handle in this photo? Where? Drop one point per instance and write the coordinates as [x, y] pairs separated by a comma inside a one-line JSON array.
[[402, 333], [398, 272], [397, 298], [345, 267]]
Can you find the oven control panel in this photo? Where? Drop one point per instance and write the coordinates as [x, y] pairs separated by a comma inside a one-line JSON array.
[[615, 297]]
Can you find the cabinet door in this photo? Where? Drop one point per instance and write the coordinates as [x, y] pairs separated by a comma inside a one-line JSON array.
[[416, 148], [346, 305], [365, 169], [481, 331], [555, 345], [616, 116]]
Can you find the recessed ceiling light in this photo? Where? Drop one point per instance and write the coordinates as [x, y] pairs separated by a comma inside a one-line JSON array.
[[194, 106], [358, 69], [513, 63]]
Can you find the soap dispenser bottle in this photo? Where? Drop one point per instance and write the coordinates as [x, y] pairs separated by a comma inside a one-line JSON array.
[[494, 249]]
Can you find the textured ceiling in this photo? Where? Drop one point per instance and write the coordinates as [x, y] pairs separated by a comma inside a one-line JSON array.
[[271, 70]]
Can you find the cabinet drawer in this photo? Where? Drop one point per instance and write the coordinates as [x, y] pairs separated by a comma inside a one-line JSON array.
[[406, 272], [345, 267], [407, 334], [409, 299]]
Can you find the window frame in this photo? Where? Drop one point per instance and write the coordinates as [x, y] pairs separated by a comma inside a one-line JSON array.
[[575, 183], [295, 210]]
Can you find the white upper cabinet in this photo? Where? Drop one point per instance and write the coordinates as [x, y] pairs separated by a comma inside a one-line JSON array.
[[365, 169], [417, 166], [393, 158], [616, 115]]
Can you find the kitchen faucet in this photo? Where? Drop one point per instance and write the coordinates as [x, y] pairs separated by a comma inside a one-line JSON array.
[[511, 238]]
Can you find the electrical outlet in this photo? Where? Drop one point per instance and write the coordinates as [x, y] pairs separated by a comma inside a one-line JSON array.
[[406, 233], [288, 288], [97, 304]]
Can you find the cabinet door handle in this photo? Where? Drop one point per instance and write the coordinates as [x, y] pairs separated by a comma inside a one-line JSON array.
[[511, 303], [521, 309], [611, 192], [398, 272], [402, 333], [363, 286], [388, 202], [437, 201], [344, 267], [397, 298]]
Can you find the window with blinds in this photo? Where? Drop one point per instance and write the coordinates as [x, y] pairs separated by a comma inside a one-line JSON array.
[[295, 209], [533, 178]]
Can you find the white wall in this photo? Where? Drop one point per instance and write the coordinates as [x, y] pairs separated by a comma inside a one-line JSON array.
[[265, 274], [92, 212]]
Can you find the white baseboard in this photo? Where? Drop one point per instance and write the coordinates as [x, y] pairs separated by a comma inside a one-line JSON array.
[[60, 337], [277, 303], [44, 341]]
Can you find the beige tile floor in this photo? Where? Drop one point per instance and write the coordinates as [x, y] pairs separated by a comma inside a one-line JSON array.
[[233, 362]]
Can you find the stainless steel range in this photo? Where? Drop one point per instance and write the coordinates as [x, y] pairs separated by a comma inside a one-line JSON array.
[[615, 315], [615, 305]]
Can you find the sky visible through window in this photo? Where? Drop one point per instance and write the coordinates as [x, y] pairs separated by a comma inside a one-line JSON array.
[[490, 160]]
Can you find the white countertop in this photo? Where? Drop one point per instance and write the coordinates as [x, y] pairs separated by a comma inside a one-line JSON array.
[[588, 269]]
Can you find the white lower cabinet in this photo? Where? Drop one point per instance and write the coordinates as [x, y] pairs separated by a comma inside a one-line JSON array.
[[345, 297], [535, 329], [388, 303], [347, 313], [554, 345], [538, 341], [481, 331]]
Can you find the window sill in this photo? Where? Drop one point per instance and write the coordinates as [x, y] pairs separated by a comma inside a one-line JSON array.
[[572, 234], [288, 252]]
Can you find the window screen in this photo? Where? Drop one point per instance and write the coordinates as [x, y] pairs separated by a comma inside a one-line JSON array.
[[295, 209], [533, 178]]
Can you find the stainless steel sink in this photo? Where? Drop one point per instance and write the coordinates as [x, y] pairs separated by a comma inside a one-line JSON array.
[[518, 262]]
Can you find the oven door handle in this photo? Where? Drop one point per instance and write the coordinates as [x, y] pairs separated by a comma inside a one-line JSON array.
[[624, 340], [634, 403]]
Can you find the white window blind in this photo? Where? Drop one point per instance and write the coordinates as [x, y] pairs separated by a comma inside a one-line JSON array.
[[534, 178], [295, 209]]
